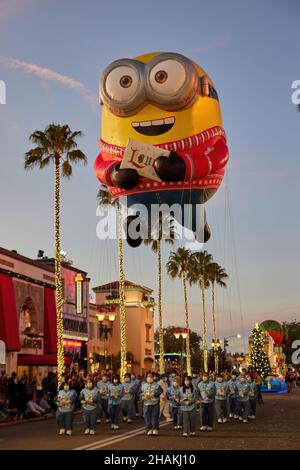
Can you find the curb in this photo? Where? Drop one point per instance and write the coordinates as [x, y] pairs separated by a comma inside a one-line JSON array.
[[31, 420]]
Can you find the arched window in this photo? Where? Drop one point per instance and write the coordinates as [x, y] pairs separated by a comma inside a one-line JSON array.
[[28, 317]]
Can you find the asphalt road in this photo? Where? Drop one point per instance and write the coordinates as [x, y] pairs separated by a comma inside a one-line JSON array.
[[277, 427]]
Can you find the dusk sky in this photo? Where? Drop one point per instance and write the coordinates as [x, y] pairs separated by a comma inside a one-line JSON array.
[[51, 55]]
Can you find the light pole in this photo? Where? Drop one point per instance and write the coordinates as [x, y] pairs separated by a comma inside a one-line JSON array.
[[216, 343], [181, 332], [226, 342], [104, 330]]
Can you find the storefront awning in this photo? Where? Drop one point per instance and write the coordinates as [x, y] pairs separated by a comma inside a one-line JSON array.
[[9, 326], [40, 360], [49, 321]]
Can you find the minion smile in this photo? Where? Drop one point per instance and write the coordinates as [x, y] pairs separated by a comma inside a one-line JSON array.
[[156, 127]]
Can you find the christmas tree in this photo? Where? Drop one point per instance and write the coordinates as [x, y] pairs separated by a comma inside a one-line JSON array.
[[259, 360]]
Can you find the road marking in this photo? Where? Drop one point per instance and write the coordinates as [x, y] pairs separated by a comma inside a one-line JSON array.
[[113, 439]]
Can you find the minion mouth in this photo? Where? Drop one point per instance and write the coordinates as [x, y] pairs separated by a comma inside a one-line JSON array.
[[156, 127]]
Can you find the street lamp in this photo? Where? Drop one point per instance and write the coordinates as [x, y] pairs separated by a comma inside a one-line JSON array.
[[226, 340], [104, 330], [216, 344], [183, 333]]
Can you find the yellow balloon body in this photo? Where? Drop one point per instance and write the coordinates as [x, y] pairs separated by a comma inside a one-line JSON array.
[[204, 113]]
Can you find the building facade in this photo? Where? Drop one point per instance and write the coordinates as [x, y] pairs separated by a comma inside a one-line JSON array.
[[28, 314], [139, 306]]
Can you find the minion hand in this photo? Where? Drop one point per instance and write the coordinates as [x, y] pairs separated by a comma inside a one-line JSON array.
[[170, 169], [125, 178]]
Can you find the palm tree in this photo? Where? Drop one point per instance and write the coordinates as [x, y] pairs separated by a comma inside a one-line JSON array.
[[106, 200], [165, 231], [179, 265], [200, 262], [216, 275], [56, 144]]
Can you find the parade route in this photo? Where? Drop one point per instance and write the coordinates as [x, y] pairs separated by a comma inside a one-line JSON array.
[[277, 427]]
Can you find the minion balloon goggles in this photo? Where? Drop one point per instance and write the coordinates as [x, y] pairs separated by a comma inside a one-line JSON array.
[[169, 81]]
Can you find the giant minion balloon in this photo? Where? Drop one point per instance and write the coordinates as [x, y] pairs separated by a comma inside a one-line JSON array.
[[168, 101]]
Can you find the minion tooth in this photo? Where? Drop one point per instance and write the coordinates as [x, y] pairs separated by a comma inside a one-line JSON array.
[[145, 123], [135, 124], [157, 122], [169, 120]]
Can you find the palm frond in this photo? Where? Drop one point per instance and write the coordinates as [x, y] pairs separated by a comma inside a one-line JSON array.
[[76, 156], [66, 169], [106, 200]]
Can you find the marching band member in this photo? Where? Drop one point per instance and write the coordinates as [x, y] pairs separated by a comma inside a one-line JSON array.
[[207, 392], [89, 397]]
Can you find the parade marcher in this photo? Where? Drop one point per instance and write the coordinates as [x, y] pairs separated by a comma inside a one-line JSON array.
[[173, 395], [114, 401], [188, 396], [89, 397], [207, 391], [221, 399], [127, 400], [252, 397], [233, 394], [103, 387], [150, 393], [163, 403], [65, 402], [243, 399]]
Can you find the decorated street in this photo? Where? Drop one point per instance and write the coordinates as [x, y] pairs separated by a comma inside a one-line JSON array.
[[277, 427]]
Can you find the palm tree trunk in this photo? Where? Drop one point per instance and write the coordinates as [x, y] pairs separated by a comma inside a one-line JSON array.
[[204, 341], [122, 312], [214, 325], [160, 323], [187, 325], [58, 281]]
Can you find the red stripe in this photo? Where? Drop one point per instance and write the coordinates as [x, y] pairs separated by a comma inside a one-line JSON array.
[[9, 324]]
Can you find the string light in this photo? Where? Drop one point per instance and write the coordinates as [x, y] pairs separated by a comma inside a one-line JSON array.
[[204, 344], [214, 325], [122, 310], [160, 325], [187, 325], [259, 360], [58, 282]]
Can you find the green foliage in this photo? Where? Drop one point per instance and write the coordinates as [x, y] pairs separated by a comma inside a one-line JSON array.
[[55, 144], [173, 345], [259, 360]]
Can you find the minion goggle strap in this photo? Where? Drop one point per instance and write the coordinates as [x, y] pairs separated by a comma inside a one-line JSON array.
[[169, 81]]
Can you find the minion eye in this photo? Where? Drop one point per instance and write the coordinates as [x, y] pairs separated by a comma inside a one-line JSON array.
[[167, 77], [161, 76], [122, 83], [126, 81]]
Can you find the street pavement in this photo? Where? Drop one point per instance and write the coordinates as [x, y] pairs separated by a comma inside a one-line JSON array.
[[277, 427]]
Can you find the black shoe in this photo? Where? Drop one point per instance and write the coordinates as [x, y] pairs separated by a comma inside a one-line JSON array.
[[133, 242], [205, 235]]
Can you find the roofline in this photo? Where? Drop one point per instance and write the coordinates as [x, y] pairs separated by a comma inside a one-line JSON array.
[[39, 264], [25, 259], [98, 289]]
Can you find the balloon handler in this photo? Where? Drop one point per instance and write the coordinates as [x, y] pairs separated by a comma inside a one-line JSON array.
[[167, 101]]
